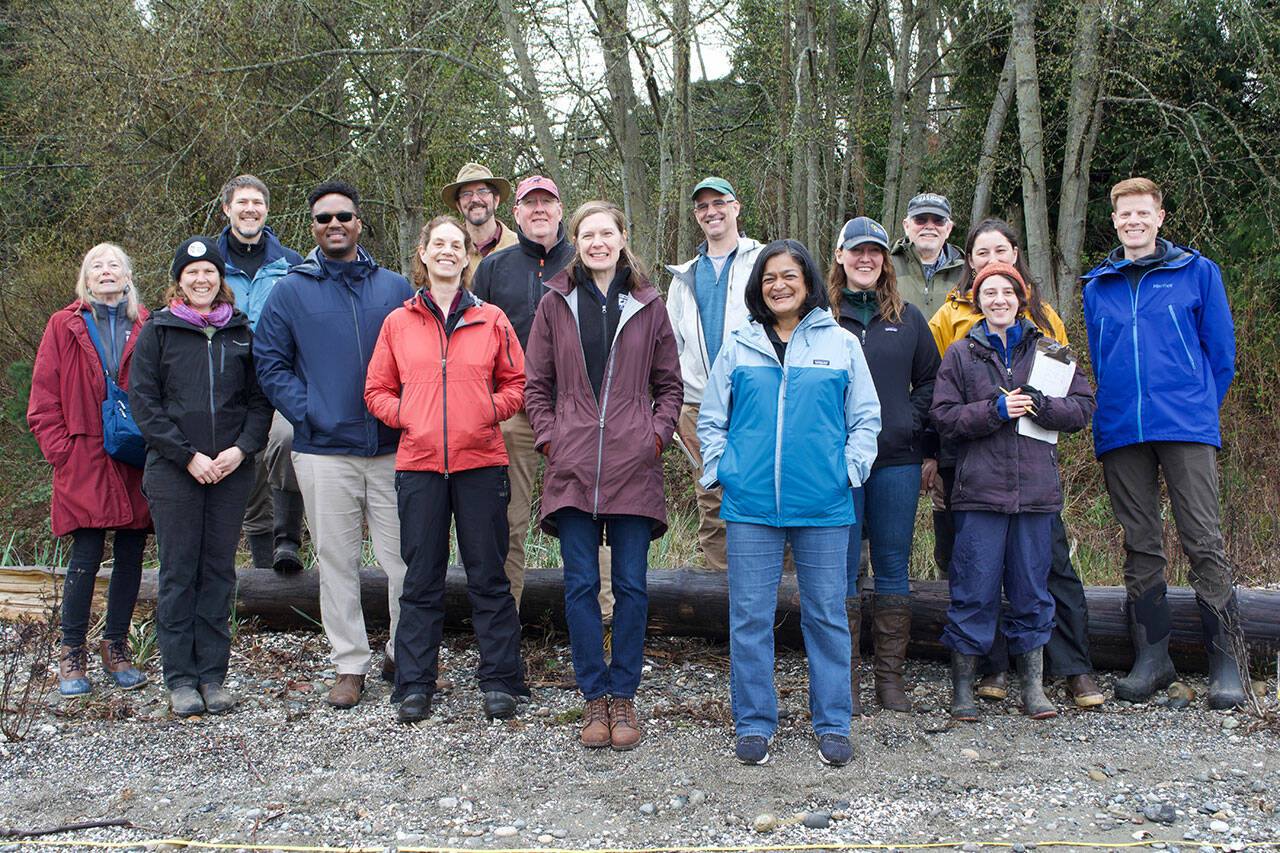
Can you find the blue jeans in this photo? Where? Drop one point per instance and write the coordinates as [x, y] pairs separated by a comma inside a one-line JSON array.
[[580, 549], [890, 496], [995, 549], [755, 570]]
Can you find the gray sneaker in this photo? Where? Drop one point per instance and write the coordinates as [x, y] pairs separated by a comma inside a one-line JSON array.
[[186, 701], [217, 699]]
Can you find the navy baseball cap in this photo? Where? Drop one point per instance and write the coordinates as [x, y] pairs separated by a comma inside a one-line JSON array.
[[864, 229]]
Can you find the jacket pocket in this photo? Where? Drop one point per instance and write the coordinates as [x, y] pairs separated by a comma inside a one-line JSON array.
[[1182, 338]]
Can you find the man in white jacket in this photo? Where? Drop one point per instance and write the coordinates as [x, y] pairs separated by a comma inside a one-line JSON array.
[[706, 303]]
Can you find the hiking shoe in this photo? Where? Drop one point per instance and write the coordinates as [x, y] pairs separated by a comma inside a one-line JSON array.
[[835, 750], [186, 701], [72, 663], [624, 727], [752, 749], [595, 723], [415, 708], [346, 690], [498, 705], [118, 663], [217, 699]]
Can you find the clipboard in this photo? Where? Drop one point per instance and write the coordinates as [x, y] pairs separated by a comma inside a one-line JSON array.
[[1052, 369]]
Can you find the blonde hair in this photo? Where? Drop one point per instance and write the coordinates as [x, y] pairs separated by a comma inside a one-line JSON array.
[[590, 208], [888, 300], [1136, 186], [420, 277], [130, 292]]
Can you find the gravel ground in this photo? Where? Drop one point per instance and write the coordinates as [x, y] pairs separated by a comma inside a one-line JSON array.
[[285, 769]]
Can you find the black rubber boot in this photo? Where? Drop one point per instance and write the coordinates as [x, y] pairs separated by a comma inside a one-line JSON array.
[[288, 531], [1149, 624], [963, 670], [260, 549], [853, 609], [1226, 690], [1031, 682]]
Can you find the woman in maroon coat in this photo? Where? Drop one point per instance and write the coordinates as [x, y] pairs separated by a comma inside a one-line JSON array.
[[92, 493], [603, 392]]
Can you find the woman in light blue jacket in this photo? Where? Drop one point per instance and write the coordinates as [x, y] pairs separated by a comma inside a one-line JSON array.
[[788, 425]]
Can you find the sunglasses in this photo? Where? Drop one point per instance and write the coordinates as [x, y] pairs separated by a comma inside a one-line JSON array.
[[326, 218]]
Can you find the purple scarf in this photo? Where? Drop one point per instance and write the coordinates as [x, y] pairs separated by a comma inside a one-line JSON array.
[[218, 317]]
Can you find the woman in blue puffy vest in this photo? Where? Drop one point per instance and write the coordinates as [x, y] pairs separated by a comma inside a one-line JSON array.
[[788, 425]]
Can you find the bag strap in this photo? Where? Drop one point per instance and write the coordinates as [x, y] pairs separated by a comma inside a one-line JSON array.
[[92, 326]]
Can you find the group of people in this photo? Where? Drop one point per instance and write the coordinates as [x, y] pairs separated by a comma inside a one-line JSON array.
[[818, 410]]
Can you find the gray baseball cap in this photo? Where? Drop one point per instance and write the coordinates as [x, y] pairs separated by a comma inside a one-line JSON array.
[[929, 203]]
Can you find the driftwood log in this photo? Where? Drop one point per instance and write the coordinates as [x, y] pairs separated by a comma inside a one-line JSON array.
[[685, 602]]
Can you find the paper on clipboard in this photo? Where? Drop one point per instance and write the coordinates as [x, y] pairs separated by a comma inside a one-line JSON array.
[[1052, 369]]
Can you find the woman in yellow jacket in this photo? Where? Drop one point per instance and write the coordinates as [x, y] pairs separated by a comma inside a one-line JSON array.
[[1067, 653]]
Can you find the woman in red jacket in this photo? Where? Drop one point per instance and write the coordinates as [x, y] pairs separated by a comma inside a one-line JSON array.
[[603, 395], [447, 370], [92, 493]]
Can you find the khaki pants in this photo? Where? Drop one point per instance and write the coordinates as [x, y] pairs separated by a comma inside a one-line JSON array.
[[710, 527], [339, 493], [522, 470]]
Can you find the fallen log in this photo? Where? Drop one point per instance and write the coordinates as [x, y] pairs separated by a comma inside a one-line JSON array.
[[682, 602]]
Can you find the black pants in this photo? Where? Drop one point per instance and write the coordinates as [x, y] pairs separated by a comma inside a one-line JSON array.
[[1067, 652], [477, 502], [87, 544], [197, 531]]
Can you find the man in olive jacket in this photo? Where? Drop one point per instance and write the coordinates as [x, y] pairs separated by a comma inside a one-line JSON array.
[[927, 266]]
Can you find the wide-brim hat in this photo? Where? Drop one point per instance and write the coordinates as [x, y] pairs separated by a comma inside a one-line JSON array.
[[469, 174]]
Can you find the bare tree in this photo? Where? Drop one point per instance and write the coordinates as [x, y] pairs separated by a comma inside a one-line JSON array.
[[986, 172], [532, 102], [1031, 141]]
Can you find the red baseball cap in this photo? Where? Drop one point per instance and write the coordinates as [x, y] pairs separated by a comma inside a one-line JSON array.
[[537, 182]]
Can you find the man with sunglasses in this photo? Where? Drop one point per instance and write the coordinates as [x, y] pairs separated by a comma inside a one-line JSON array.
[[475, 193], [927, 266], [705, 304], [313, 343]]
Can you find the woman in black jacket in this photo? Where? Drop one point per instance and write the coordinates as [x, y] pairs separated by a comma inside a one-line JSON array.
[[904, 360], [196, 400]]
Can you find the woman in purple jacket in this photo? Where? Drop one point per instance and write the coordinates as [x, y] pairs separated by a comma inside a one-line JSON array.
[[1007, 489], [603, 392]]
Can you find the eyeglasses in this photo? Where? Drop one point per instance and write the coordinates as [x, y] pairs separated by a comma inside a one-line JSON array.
[[928, 219], [467, 195], [715, 204], [326, 218]]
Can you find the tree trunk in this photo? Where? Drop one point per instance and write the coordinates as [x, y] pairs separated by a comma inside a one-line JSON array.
[[918, 106], [901, 81], [1031, 137], [856, 172], [611, 23], [1084, 113], [682, 129], [532, 102], [991, 141]]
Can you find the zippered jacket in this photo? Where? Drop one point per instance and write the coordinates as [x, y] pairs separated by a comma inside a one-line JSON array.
[[251, 294], [446, 390], [787, 442], [927, 294], [955, 318], [903, 362], [90, 489], [1163, 355], [686, 319], [515, 278], [194, 393], [314, 341], [997, 469], [601, 456]]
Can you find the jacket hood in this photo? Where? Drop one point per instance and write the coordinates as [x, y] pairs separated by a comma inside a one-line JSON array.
[[641, 290], [165, 317], [536, 249], [417, 304], [977, 332], [745, 244], [754, 335], [313, 265], [1170, 256]]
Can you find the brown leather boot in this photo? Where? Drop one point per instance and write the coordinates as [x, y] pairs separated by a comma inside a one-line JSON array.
[[1084, 690], [891, 630], [853, 609], [346, 691], [595, 723], [117, 662], [624, 727], [72, 663], [993, 687]]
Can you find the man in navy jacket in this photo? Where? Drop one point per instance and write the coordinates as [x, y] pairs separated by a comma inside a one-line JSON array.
[[1162, 345], [313, 344]]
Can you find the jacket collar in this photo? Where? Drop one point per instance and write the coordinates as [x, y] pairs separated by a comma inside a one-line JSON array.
[[745, 244], [536, 249], [641, 290], [753, 334], [164, 317], [417, 302], [272, 248], [978, 332], [317, 266], [951, 256], [1174, 257]]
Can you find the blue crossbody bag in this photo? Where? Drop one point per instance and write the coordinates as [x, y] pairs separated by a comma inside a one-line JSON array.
[[121, 437]]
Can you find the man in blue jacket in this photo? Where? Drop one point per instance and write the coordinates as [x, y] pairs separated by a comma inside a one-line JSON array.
[[314, 340], [1162, 344], [255, 260]]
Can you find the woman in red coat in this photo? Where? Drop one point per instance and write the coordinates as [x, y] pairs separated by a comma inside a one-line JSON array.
[[603, 394], [92, 493]]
